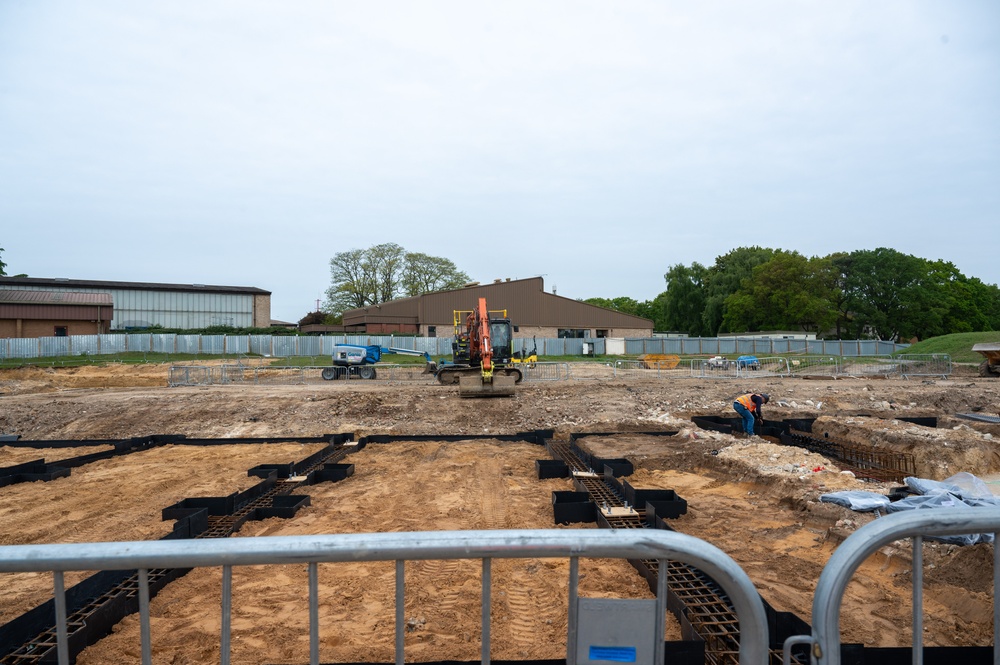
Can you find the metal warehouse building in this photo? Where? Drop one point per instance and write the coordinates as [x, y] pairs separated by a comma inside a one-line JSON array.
[[535, 312], [141, 305]]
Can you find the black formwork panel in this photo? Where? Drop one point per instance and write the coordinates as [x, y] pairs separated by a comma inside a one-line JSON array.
[[283, 506], [551, 468], [29, 472], [573, 507], [331, 473]]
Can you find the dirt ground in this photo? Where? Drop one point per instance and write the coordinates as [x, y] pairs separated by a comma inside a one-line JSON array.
[[756, 500]]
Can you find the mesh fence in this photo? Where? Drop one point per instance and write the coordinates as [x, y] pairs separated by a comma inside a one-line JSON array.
[[637, 370], [936, 364], [543, 371]]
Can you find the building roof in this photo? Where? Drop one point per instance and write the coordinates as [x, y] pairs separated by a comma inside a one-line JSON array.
[[525, 300], [18, 296], [60, 282]]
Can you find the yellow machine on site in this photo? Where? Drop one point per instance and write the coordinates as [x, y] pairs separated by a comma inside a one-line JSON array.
[[525, 358], [481, 354]]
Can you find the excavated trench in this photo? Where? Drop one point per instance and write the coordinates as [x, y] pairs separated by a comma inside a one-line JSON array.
[[865, 462], [709, 625]]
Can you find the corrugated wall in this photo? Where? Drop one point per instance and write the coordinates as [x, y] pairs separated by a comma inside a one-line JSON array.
[[282, 346], [171, 309]]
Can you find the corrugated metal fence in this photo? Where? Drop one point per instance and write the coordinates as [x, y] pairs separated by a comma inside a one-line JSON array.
[[283, 346]]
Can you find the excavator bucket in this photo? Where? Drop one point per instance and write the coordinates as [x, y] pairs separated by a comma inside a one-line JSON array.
[[474, 386]]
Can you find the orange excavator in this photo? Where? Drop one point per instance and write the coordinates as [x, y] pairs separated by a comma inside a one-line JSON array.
[[481, 353]]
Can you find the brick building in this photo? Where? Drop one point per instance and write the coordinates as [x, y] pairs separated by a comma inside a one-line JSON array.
[[54, 313]]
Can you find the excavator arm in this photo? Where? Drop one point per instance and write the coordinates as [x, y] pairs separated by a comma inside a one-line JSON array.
[[480, 344]]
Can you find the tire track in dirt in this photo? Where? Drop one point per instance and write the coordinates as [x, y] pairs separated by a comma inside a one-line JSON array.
[[531, 611], [493, 494], [439, 584]]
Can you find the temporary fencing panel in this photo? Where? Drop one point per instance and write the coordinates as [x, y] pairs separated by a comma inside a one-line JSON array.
[[89, 345], [884, 366], [814, 366], [213, 344], [179, 375], [139, 342], [712, 368], [187, 344], [936, 364], [310, 346], [23, 348], [288, 345], [650, 544], [50, 347], [284, 347], [113, 344], [848, 557], [164, 343], [545, 371], [237, 344], [260, 345]]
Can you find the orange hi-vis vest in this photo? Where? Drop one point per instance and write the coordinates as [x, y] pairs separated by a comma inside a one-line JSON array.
[[747, 402]]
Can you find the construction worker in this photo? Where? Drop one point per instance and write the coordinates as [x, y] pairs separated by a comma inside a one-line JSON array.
[[749, 408]]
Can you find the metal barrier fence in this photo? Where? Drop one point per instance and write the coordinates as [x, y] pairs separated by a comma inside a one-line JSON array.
[[698, 368], [813, 366], [915, 525], [301, 345], [711, 346], [661, 545], [935, 364], [200, 375], [545, 371]]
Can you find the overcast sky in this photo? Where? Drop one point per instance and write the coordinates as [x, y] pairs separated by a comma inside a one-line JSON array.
[[597, 144]]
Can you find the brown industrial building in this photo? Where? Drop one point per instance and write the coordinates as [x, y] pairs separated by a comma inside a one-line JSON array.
[[535, 312], [54, 313]]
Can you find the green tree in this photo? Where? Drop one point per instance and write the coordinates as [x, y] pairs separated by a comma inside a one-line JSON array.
[[623, 304], [789, 292], [647, 309], [423, 273], [840, 299], [962, 304], [725, 278], [3, 265], [683, 303], [888, 294]]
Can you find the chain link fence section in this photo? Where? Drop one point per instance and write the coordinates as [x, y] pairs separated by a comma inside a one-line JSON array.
[[712, 368], [697, 368], [178, 375], [813, 366], [545, 371], [869, 366], [935, 364]]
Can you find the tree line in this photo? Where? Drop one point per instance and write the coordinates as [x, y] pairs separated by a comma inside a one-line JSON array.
[[879, 293]]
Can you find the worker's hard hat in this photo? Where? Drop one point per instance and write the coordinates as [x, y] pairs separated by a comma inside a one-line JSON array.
[[767, 398]]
